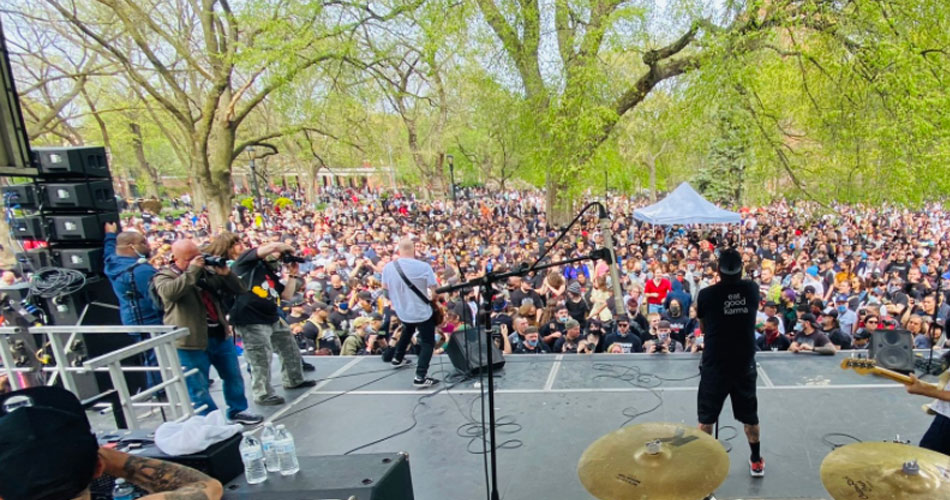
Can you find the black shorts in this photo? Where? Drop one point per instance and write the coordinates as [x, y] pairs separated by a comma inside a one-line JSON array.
[[714, 386]]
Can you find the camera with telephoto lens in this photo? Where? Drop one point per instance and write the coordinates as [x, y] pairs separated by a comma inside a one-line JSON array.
[[290, 258], [214, 260]]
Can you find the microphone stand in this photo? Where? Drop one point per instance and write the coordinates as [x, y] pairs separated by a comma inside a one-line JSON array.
[[933, 324], [485, 284]]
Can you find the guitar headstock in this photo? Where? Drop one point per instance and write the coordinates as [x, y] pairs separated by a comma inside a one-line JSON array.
[[861, 365]]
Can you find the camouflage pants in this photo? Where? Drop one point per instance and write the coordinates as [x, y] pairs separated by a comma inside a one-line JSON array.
[[260, 342]]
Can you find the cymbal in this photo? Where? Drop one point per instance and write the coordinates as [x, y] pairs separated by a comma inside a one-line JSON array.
[[886, 471], [655, 461]]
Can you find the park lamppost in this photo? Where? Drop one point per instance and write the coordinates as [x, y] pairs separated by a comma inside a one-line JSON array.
[[257, 194], [452, 173]]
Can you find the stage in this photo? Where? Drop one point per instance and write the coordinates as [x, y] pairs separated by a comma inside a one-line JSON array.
[[553, 406]]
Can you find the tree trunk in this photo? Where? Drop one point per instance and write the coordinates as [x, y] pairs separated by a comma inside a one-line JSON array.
[[217, 185], [651, 166], [558, 201], [152, 187]]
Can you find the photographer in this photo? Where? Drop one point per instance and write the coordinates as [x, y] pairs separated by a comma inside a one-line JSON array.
[[255, 314], [192, 295]]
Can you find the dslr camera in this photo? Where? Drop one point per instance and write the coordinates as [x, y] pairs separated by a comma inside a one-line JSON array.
[[290, 258], [214, 260]]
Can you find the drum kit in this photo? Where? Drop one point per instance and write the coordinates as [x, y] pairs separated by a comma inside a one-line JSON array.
[[663, 461]]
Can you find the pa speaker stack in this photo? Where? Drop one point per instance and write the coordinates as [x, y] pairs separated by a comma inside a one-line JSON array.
[[65, 206]]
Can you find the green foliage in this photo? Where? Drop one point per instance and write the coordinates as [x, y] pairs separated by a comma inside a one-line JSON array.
[[722, 178], [815, 99]]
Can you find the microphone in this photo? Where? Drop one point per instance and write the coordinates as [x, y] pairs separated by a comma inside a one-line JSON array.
[[612, 261]]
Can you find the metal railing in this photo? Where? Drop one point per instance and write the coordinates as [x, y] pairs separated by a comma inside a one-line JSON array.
[[62, 342]]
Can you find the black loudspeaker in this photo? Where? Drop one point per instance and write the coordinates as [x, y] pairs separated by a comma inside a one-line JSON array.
[[893, 349], [221, 461], [28, 228], [467, 357], [72, 162], [94, 195], [35, 259], [96, 304], [379, 476], [81, 227], [19, 195], [87, 260]]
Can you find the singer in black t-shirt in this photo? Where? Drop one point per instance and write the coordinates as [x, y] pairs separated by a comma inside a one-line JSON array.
[[726, 312]]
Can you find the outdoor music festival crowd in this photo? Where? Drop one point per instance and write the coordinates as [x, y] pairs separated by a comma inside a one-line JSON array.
[[828, 275]]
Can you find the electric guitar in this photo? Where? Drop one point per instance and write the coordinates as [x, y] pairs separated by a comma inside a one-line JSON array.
[[868, 366]]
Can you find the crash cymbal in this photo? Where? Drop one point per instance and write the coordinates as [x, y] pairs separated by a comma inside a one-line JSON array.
[[655, 461], [886, 471]]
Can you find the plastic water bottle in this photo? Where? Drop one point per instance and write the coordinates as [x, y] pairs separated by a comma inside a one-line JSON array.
[[286, 452], [253, 457], [268, 440], [122, 490]]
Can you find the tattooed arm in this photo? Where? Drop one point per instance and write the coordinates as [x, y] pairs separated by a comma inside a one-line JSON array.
[[164, 480]]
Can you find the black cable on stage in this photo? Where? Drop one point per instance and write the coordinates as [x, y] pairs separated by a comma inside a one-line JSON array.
[[392, 371], [474, 430], [636, 377], [419, 403], [834, 446], [51, 282]]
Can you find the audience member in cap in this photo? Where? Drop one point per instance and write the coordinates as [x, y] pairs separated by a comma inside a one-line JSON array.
[[809, 339], [624, 337], [569, 341], [664, 341], [48, 452]]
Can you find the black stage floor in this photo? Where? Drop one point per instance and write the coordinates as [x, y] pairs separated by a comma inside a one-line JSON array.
[[556, 405]]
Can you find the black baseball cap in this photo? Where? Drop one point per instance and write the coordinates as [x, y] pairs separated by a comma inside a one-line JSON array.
[[730, 262], [47, 448]]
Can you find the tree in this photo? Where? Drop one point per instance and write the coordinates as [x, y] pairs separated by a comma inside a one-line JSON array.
[[209, 67], [582, 100]]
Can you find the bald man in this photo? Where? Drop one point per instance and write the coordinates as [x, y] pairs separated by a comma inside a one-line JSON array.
[[127, 267], [192, 295], [411, 284]]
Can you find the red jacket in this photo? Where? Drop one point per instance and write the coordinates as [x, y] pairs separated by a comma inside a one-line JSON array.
[[663, 288]]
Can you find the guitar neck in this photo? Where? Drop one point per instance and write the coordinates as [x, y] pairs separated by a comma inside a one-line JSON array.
[[891, 374]]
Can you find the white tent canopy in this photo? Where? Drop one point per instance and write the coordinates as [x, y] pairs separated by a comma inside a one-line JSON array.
[[685, 206]]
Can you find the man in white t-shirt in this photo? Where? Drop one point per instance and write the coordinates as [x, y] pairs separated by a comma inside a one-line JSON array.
[[413, 311]]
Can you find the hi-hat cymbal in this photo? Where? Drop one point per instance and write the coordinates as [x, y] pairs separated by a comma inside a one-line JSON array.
[[655, 461], [886, 471]]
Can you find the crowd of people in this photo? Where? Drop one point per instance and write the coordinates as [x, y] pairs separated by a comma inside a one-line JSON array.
[[828, 275]]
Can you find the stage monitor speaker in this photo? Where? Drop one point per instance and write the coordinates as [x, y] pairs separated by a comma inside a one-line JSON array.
[[19, 196], [893, 349], [94, 195], [466, 356], [73, 162], [378, 476], [221, 460]]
